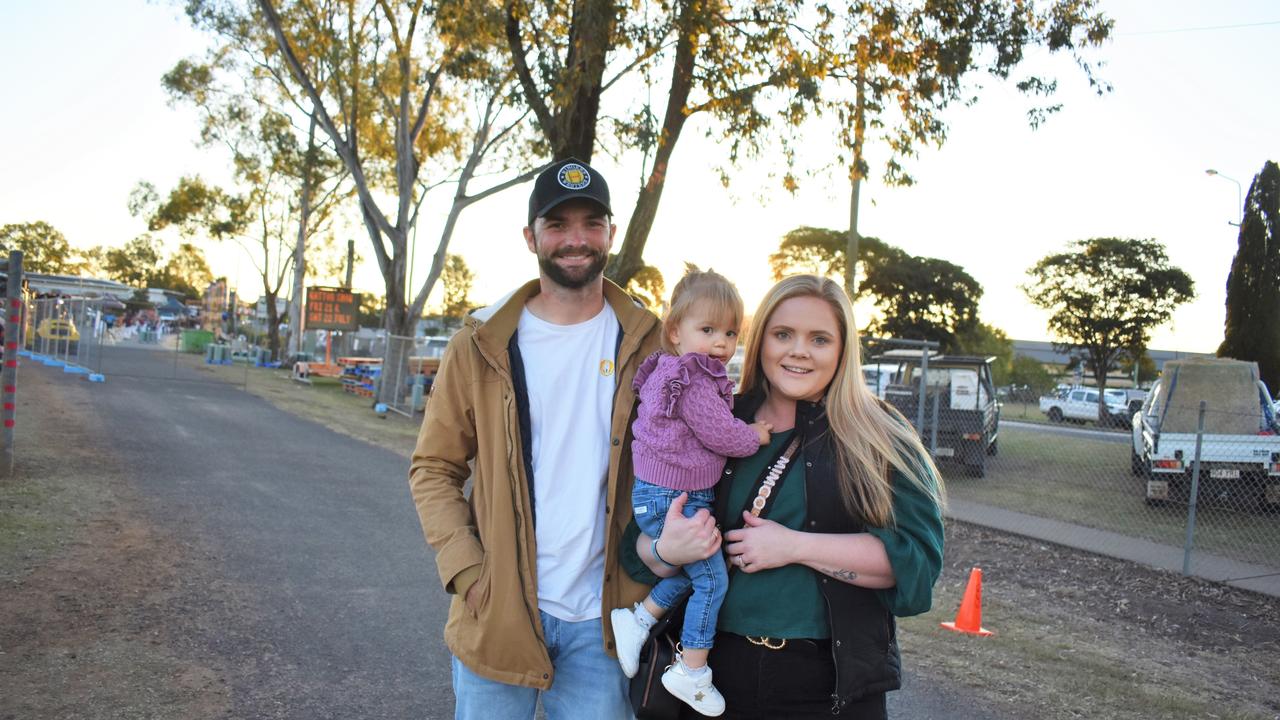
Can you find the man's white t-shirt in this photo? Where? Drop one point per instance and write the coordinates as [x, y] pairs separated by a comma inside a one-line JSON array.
[[568, 372]]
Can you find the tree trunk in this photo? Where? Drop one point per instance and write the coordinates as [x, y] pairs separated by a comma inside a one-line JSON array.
[[273, 324], [630, 257], [300, 250], [855, 178]]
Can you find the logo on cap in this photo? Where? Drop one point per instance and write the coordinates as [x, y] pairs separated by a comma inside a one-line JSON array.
[[573, 176]]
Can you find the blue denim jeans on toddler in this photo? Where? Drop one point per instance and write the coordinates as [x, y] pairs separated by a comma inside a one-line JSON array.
[[709, 577]]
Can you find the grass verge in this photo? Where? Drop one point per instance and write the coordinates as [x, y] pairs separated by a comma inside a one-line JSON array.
[[1087, 481]]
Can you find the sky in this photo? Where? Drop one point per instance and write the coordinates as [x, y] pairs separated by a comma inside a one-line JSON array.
[[85, 119]]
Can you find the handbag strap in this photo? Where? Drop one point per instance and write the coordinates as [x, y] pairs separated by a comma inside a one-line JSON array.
[[760, 499]]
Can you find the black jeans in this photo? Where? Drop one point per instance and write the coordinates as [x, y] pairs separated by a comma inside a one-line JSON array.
[[788, 684]]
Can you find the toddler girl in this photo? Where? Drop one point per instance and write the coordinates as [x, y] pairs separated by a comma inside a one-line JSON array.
[[683, 431]]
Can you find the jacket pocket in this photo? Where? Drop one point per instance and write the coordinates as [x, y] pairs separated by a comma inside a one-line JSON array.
[[484, 585]]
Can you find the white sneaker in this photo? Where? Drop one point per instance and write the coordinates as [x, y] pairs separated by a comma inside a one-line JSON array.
[[696, 692], [628, 637]]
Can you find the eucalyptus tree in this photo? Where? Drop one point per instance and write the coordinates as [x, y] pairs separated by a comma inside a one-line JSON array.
[[410, 96], [44, 248], [1105, 296], [740, 63], [894, 67], [401, 76], [285, 173], [920, 298]]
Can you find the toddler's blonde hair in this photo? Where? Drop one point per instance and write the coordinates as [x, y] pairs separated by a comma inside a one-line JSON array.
[[701, 286]]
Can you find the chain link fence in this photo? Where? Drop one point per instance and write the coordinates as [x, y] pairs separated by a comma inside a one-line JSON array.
[[66, 332], [413, 362], [1201, 487]]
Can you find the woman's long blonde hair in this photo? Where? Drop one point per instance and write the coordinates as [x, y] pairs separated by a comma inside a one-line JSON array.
[[870, 436]]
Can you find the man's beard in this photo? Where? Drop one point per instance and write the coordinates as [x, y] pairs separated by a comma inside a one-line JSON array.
[[577, 277]]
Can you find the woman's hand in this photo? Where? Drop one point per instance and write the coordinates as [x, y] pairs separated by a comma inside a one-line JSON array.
[[761, 545]]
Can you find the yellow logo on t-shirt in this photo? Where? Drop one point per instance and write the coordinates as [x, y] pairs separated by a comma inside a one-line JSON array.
[[606, 367]]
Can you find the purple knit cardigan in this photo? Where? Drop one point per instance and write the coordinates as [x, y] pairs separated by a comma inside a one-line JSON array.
[[685, 426]]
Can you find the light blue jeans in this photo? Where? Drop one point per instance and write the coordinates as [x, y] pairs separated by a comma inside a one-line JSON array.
[[709, 577], [588, 683]]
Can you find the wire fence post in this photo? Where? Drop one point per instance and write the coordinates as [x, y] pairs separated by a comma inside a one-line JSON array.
[[933, 426], [1195, 493], [924, 385], [12, 341]]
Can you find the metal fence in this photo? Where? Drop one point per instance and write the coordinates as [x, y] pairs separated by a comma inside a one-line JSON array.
[[1210, 499], [410, 371], [85, 336], [65, 332]]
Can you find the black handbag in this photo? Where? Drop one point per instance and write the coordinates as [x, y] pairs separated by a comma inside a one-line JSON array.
[[649, 697]]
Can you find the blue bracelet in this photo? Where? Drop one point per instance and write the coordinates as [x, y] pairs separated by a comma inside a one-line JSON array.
[[654, 547]]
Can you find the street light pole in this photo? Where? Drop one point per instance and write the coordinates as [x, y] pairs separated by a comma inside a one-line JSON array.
[[1239, 194]]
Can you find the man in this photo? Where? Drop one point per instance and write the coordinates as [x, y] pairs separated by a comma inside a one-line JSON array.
[[535, 393]]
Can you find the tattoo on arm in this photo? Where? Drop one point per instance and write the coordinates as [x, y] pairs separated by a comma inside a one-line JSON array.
[[841, 575]]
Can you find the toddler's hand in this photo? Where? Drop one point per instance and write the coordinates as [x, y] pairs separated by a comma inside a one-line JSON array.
[[762, 431]]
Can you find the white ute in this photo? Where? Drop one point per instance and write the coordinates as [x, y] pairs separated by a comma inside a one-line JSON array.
[[1240, 450]]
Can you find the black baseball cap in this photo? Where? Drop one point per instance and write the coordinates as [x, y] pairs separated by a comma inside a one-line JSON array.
[[565, 180]]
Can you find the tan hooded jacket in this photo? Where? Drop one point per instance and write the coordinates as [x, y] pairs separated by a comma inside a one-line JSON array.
[[473, 416]]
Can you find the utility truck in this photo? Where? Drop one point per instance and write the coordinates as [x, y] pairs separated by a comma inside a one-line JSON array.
[[1240, 447], [961, 419]]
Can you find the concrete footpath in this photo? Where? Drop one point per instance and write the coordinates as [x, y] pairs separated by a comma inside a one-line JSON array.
[[1257, 578]]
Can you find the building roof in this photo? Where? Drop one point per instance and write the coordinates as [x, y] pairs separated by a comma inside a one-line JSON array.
[[1044, 352], [75, 286]]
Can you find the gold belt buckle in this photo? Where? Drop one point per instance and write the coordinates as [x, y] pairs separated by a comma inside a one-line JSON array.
[[767, 642]]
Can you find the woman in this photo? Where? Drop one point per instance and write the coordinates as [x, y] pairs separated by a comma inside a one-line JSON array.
[[851, 534]]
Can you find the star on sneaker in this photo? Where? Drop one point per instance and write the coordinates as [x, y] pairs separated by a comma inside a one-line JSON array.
[[628, 637], [696, 691]]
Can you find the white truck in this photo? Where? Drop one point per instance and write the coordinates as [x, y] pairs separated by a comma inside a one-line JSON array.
[[1081, 404], [1240, 447]]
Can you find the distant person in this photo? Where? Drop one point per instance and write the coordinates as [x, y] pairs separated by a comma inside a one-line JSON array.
[[683, 430], [837, 540], [533, 403]]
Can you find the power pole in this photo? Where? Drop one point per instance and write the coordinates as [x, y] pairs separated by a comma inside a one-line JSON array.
[[351, 256]]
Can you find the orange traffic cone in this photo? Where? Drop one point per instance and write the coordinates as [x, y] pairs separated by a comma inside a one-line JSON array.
[[969, 618]]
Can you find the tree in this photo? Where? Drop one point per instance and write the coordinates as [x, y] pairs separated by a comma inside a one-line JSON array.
[[387, 83], [649, 287], [898, 66], [136, 263], [1105, 296], [1030, 373], [915, 297], [922, 299], [1253, 286], [237, 109], [985, 340], [457, 279], [187, 271], [817, 251], [44, 248], [1146, 368], [745, 64]]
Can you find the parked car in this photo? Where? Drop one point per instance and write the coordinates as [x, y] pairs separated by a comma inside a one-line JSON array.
[[959, 388], [1080, 404], [1240, 447], [59, 333]]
